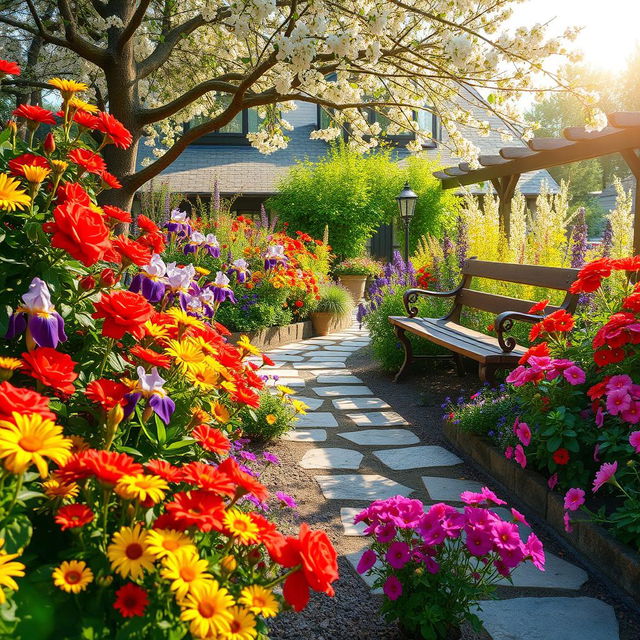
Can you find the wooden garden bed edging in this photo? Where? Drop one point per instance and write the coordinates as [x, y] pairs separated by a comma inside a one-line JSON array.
[[617, 561]]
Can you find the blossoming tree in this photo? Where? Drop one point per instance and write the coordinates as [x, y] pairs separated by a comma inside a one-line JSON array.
[[158, 65]]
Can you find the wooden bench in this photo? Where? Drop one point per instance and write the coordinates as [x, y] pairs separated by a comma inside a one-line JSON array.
[[492, 353]]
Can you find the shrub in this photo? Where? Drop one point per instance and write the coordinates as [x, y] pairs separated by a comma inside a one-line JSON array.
[[275, 415], [362, 266], [335, 299]]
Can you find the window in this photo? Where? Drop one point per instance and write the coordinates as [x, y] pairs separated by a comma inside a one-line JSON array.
[[232, 133]]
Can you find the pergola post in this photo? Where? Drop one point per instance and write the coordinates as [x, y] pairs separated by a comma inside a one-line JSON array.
[[633, 162], [505, 188]]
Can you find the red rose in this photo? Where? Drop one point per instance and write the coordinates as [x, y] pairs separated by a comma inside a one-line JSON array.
[[22, 401], [123, 312], [80, 231], [561, 456], [108, 278], [74, 192], [319, 559], [52, 368], [106, 393]]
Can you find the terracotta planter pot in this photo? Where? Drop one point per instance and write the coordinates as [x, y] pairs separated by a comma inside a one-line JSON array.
[[355, 285], [325, 322]]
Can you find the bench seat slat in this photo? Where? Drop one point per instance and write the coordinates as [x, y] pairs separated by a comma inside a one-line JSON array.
[[534, 275], [494, 303]]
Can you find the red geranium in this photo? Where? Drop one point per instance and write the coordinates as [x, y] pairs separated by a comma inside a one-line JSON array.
[[632, 263], [22, 401], [89, 161], [559, 321], [561, 456], [147, 225], [538, 307], [150, 356], [106, 393], [123, 312], [115, 132], [202, 509], [131, 600], [53, 368], [85, 119], [71, 516], [116, 213], [131, 252], [8, 68], [109, 466], [80, 231], [110, 180], [539, 350], [211, 439], [591, 275], [606, 356], [17, 164], [34, 113]]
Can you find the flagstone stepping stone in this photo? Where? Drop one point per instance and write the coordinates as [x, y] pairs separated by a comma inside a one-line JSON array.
[[331, 458], [344, 346], [320, 341], [327, 357], [549, 619], [335, 371], [287, 358], [353, 559], [359, 486], [557, 574], [377, 419], [301, 346], [338, 379], [278, 371], [312, 403], [347, 514], [417, 457], [379, 437], [330, 355], [318, 364], [448, 489], [284, 352], [305, 435], [284, 381], [342, 390], [346, 404], [322, 419]]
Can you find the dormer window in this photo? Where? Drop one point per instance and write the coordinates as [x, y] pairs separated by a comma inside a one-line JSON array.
[[232, 133]]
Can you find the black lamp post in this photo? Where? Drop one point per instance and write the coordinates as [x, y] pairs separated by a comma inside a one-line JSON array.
[[407, 205]]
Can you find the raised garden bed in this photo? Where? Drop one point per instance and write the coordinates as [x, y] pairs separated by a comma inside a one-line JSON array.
[[615, 560]]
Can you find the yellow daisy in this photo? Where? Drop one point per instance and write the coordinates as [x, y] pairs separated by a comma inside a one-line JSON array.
[[299, 406], [259, 600], [202, 377], [67, 87], [229, 386], [73, 576], [11, 196], [285, 390], [8, 366], [245, 344], [55, 488], [184, 320], [202, 271], [142, 487], [185, 353], [207, 609], [35, 174], [242, 625], [241, 526], [8, 571], [185, 569], [129, 553], [220, 412], [30, 439], [59, 166], [155, 331], [271, 419], [165, 542], [77, 103]]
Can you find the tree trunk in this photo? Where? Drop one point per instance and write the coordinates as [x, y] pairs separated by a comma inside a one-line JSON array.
[[122, 163]]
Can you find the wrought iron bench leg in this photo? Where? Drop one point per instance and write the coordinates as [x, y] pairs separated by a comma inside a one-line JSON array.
[[408, 352]]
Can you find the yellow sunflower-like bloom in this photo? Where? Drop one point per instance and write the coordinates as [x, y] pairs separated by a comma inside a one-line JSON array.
[[220, 412], [299, 406], [285, 390], [165, 542], [185, 569], [77, 103], [73, 576], [142, 487], [30, 439], [59, 166], [241, 526], [129, 552], [259, 600], [55, 488], [8, 366], [245, 344], [35, 174], [242, 625], [185, 353], [207, 610], [155, 331], [202, 377], [67, 87], [9, 569], [12, 197], [184, 320]]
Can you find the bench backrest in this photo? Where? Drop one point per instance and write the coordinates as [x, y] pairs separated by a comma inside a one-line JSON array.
[[546, 277]]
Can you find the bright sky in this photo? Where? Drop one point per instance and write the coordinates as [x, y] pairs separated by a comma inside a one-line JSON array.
[[611, 27]]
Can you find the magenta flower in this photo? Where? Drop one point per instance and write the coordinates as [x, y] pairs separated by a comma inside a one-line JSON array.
[[479, 542], [472, 498], [398, 554], [392, 588], [524, 433], [534, 550], [385, 532], [605, 474], [573, 499], [491, 496], [599, 417], [430, 528], [574, 375], [508, 453], [286, 500], [619, 383], [617, 401], [567, 522], [505, 535], [520, 456], [632, 414], [512, 557], [552, 481], [596, 453], [366, 562], [519, 517], [634, 440]]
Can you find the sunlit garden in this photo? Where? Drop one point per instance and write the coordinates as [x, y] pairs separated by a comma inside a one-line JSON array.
[[318, 320]]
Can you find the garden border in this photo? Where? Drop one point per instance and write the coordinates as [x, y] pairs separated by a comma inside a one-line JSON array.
[[615, 560]]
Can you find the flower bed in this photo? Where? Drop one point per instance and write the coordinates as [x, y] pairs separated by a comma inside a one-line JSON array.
[[129, 507]]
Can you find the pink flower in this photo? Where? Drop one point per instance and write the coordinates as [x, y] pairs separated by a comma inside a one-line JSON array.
[[519, 517], [508, 453], [472, 498], [477, 518], [552, 481], [398, 554], [619, 383], [599, 417], [533, 549], [524, 433], [430, 528], [491, 496], [367, 560], [573, 499], [392, 588], [505, 535], [632, 414], [385, 532], [431, 565], [479, 542], [634, 440], [502, 568], [606, 472], [574, 375], [520, 456], [617, 401], [512, 557], [567, 522]]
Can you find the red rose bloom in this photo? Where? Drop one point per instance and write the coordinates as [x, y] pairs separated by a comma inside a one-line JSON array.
[[85, 119], [115, 132], [211, 439], [155, 241], [80, 231], [74, 192], [106, 393], [89, 161], [8, 68], [52, 368], [34, 113], [22, 401], [131, 600], [110, 180], [123, 312], [561, 456], [26, 159], [131, 252], [73, 515]]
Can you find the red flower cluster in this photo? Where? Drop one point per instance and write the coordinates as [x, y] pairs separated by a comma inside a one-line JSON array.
[[622, 328], [106, 393], [22, 401], [591, 275], [559, 321], [89, 161], [423, 277], [17, 164], [34, 113], [53, 368], [123, 312]]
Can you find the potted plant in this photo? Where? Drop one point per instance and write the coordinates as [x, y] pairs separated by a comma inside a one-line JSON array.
[[436, 567], [353, 274], [335, 304]]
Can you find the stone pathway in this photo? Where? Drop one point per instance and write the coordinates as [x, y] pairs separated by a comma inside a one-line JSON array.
[[362, 450]]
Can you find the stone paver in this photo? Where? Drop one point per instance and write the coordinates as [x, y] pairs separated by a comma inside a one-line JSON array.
[[330, 371], [353, 559], [342, 390], [347, 514], [317, 419], [317, 364], [377, 437], [286, 382], [448, 489], [549, 618], [377, 419], [312, 403], [417, 457], [338, 379], [367, 487], [305, 435], [278, 371], [347, 404], [557, 574], [331, 458], [344, 346]]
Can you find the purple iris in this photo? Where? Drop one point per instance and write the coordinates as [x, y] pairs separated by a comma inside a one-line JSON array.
[[150, 386], [211, 245], [36, 314], [196, 240], [240, 268], [180, 281], [221, 289], [150, 280], [178, 223], [274, 256]]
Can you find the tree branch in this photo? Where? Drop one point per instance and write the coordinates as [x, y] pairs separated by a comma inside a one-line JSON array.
[[134, 23]]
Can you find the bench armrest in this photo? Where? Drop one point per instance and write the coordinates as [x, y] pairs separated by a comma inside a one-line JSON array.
[[504, 322], [410, 297]]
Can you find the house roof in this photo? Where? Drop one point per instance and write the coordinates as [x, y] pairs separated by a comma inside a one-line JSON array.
[[607, 199]]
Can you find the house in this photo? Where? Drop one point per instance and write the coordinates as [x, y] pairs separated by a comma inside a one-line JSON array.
[[240, 170], [607, 197]]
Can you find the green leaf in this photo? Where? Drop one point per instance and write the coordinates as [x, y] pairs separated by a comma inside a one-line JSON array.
[[180, 444], [554, 443], [17, 533], [160, 429]]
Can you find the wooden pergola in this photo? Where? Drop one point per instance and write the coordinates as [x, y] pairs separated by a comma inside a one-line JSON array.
[[622, 136]]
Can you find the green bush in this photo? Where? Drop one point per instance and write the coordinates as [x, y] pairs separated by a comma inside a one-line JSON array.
[[271, 419], [362, 266], [335, 299]]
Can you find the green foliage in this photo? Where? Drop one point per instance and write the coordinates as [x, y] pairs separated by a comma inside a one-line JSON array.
[[362, 266], [335, 299], [271, 419]]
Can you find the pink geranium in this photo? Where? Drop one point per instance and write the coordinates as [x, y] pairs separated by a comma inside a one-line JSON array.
[[524, 433], [574, 375], [618, 401], [520, 456], [508, 453], [552, 481], [398, 554], [619, 383], [512, 557], [533, 548], [366, 562], [573, 499], [634, 440], [632, 414], [392, 588], [605, 474], [385, 532], [505, 535], [479, 542], [491, 496]]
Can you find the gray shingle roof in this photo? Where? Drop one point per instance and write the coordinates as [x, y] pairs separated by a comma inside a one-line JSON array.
[[607, 199]]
